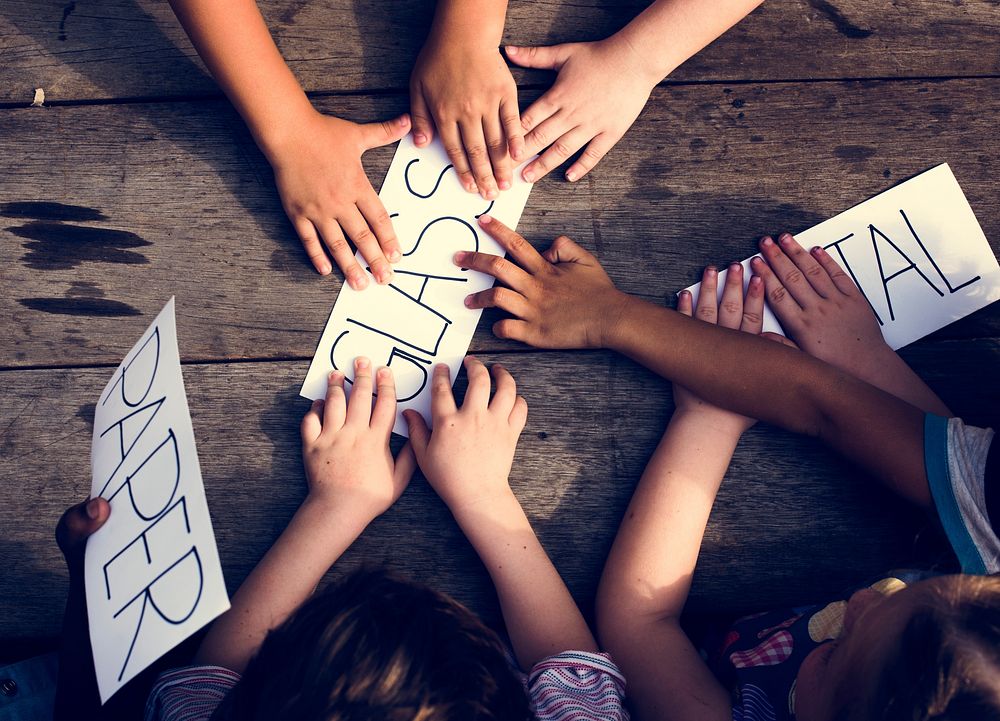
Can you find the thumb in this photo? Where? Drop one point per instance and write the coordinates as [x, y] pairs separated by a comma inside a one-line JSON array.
[[423, 125], [406, 464], [420, 434], [544, 57], [566, 250], [778, 338], [80, 522], [374, 135]]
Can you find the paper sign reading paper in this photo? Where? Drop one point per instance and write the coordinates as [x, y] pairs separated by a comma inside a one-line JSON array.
[[916, 252], [420, 318], [152, 572]]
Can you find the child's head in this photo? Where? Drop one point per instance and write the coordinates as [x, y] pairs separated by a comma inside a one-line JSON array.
[[377, 647], [928, 651]]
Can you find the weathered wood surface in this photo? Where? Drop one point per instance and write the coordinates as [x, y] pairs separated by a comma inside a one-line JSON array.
[[175, 199], [792, 522], [101, 49]]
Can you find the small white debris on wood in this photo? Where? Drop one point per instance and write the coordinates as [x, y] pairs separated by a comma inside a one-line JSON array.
[[39, 100]]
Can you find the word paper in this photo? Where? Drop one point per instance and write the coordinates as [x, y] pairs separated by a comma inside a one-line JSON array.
[[916, 252], [152, 572], [419, 319]]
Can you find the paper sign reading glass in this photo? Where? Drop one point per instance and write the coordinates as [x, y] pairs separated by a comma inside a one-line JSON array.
[[419, 319], [153, 576], [916, 252]]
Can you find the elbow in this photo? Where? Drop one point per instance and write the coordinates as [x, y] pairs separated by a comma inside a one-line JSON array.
[[624, 614]]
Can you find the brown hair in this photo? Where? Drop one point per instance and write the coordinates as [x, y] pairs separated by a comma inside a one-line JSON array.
[[376, 647], [946, 665]]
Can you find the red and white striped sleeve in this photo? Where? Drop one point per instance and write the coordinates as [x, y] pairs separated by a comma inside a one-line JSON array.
[[191, 693], [577, 686]]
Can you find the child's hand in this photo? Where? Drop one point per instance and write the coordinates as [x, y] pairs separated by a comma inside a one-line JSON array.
[[77, 524], [731, 311], [345, 446], [326, 194], [820, 307], [600, 91], [562, 299], [467, 457], [462, 86]]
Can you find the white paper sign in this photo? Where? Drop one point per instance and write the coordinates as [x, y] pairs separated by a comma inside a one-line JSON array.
[[419, 319], [916, 252], [152, 572]]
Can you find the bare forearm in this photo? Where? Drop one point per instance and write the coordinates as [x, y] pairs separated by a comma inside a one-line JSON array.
[[669, 32], [286, 576], [766, 380], [466, 19], [541, 616], [233, 40]]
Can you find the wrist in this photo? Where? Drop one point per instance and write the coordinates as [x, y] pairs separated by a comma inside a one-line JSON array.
[[714, 424], [614, 314], [339, 513], [469, 23], [499, 503], [648, 66], [277, 136]]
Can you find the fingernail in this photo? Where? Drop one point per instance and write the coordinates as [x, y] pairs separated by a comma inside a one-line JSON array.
[[710, 271], [468, 301], [513, 50], [516, 154], [504, 185], [385, 275], [460, 257], [334, 376], [491, 194], [485, 219], [735, 268], [383, 373], [755, 281], [529, 177], [361, 363], [785, 238], [395, 256], [403, 120], [358, 281], [472, 188], [816, 249], [419, 138], [756, 260], [93, 509], [325, 269], [767, 241], [571, 175], [685, 293]]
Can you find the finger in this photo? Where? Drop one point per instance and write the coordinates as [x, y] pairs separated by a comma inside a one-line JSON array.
[[359, 409], [731, 303], [513, 244], [685, 303], [420, 434], [506, 391], [753, 306], [593, 154], [510, 118], [452, 141], [442, 397], [502, 298], [519, 414], [374, 135], [379, 221], [78, 523], [477, 395], [342, 254], [544, 57], [778, 338], [545, 135], [783, 305], [355, 225], [817, 278], [406, 463], [496, 145], [558, 153], [423, 124], [310, 241], [707, 307], [384, 412], [335, 406], [512, 329], [500, 268], [478, 155], [538, 112], [841, 280], [312, 422], [791, 277], [567, 250]]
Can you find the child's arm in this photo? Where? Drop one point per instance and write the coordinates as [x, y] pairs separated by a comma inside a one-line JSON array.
[[648, 572], [316, 158], [565, 300], [467, 459], [462, 87], [819, 306], [602, 86], [352, 479]]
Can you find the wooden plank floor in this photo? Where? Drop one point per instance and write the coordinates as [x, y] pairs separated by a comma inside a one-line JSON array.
[[139, 182]]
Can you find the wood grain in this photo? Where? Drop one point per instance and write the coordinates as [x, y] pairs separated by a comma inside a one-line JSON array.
[[792, 522], [107, 211], [83, 50]]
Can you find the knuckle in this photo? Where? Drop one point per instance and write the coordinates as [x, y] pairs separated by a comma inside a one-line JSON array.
[[731, 306], [706, 313], [497, 264], [777, 295], [476, 152], [792, 277], [539, 137], [752, 318], [814, 271], [497, 145], [337, 244], [562, 149]]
